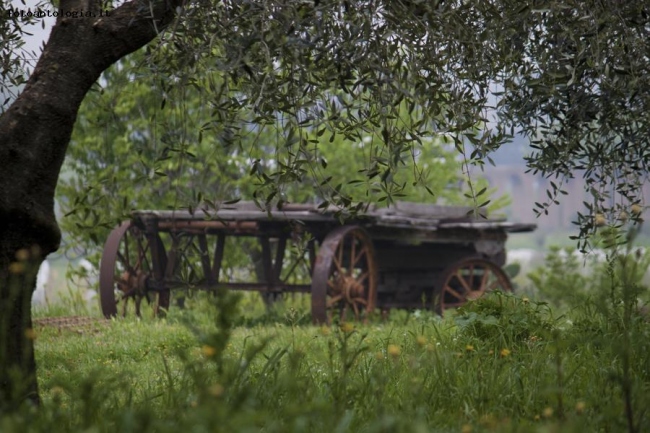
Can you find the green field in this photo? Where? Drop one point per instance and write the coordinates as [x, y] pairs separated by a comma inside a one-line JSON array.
[[503, 364]]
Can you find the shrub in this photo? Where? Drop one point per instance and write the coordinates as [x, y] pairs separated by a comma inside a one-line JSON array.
[[504, 318]]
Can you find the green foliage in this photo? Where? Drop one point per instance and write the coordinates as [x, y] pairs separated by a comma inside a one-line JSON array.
[[571, 76], [569, 280], [609, 313], [579, 93], [281, 96], [561, 279], [505, 319]]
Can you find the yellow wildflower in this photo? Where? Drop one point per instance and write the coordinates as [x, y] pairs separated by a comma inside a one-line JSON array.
[[466, 428], [208, 351], [57, 391], [421, 340], [30, 334], [22, 255], [215, 390], [488, 420], [16, 268], [548, 412], [469, 348], [504, 353], [580, 407], [394, 350], [347, 327]]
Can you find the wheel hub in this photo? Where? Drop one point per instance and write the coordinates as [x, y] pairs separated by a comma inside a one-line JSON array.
[[133, 282], [349, 287]]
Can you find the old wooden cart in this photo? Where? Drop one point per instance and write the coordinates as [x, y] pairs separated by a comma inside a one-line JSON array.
[[407, 256]]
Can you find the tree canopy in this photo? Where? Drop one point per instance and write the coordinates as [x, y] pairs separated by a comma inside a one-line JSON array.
[[570, 76]]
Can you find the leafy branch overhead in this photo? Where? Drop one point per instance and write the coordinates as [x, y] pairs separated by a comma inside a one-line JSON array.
[[572, 76], [344, 72]]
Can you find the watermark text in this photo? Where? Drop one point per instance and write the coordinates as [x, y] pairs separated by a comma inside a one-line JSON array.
[[43, 13]]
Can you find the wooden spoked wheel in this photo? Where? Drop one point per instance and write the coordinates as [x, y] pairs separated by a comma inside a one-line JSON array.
[[125, 271], [467, 280], [344, 281]]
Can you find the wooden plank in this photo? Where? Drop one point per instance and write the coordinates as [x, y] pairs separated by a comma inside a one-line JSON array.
[[489, 225], [429, 211], [414, 217], [249, 226], [231, 215]]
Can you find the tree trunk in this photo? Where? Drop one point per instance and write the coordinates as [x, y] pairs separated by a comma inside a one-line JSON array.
[[34, 135]]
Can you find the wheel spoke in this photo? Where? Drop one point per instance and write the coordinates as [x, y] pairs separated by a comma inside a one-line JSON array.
[[363, 252], [145, 257], [361, 301], [462, 280], [339, 266], [362, 277], [125, 262], [141, 252], [353, 253], [128, 293], [356, 310], [484, 279], [455, 293], [334, 300]]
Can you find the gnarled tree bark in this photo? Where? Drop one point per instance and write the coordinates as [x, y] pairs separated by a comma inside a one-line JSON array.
[[34, 135]]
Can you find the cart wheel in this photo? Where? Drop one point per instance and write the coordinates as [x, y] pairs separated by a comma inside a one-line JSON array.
[[469, 279], [344, 280], [125, 267]]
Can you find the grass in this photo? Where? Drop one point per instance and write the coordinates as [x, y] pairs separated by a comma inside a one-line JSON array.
[[502, 364]]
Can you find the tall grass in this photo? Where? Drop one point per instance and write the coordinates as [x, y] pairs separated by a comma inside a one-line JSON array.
[[500, 364]]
